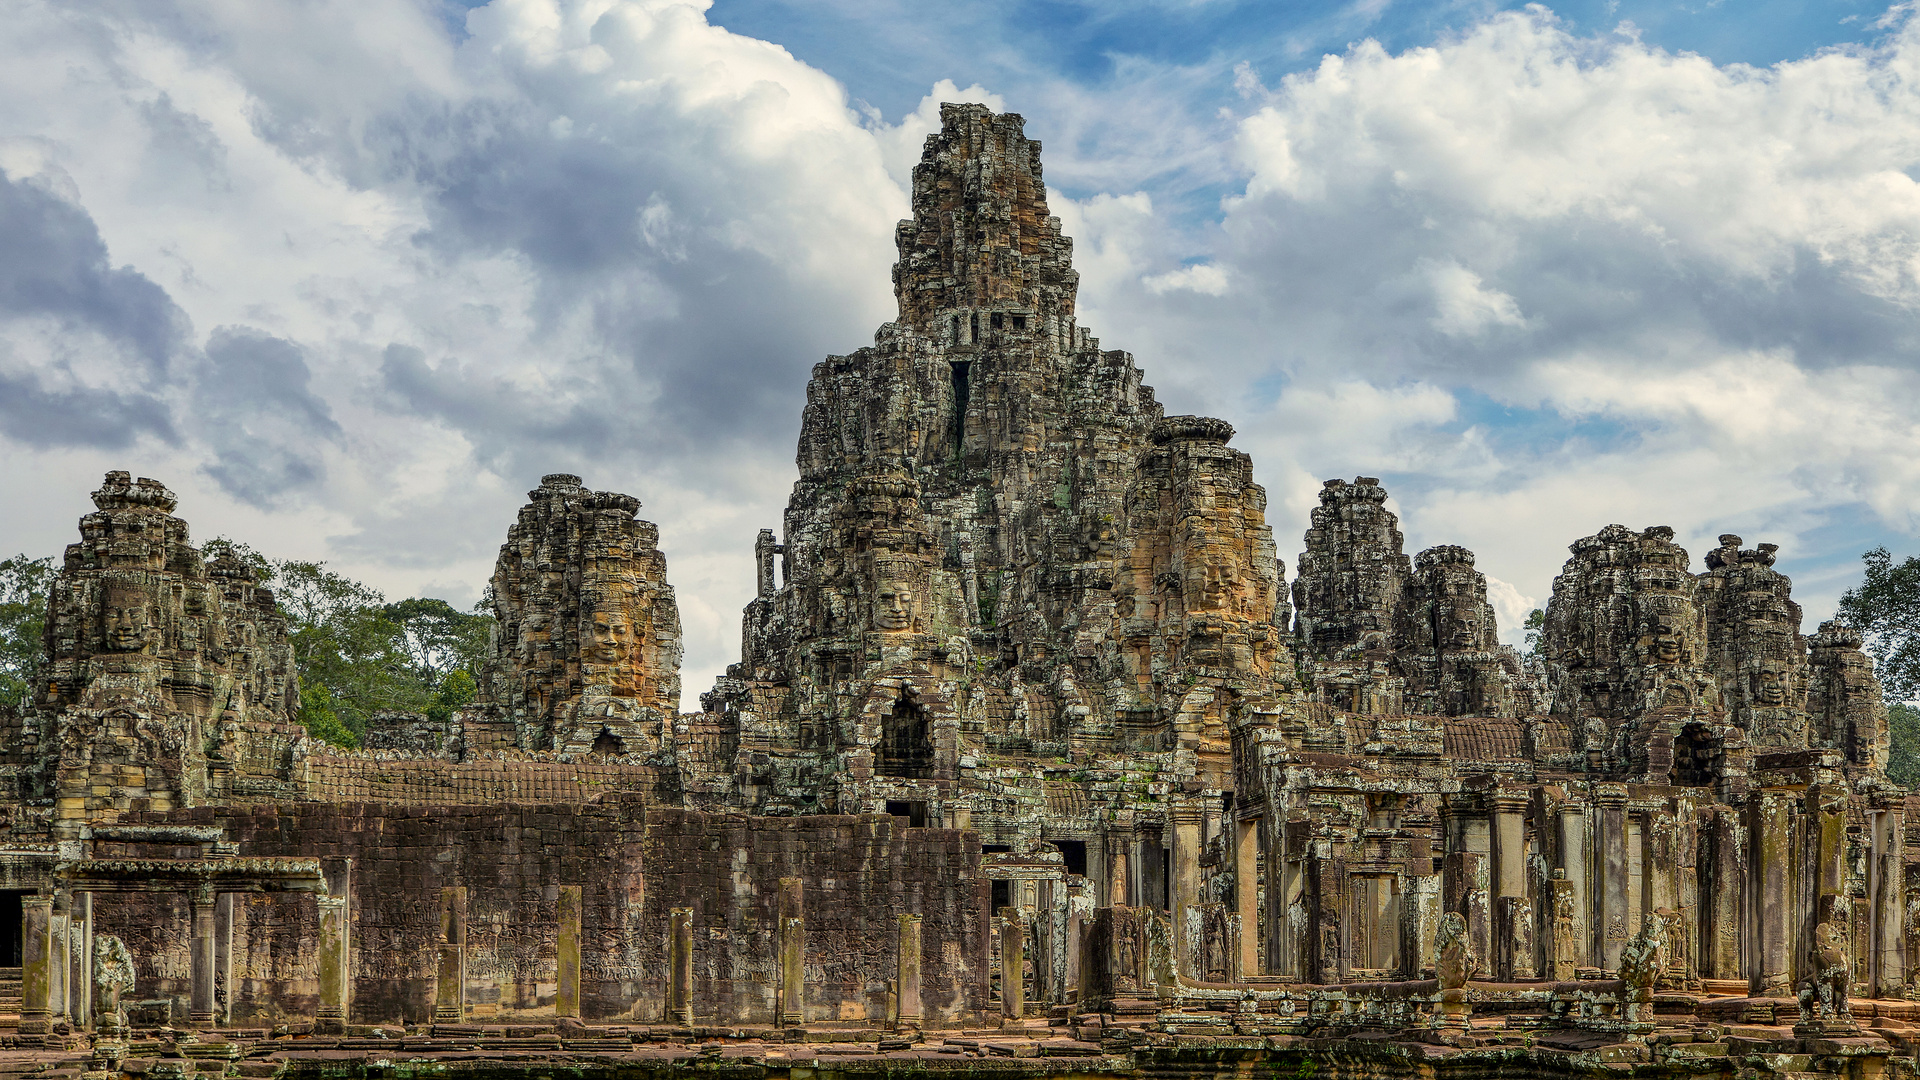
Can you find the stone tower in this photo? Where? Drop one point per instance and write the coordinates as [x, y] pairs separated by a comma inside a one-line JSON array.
[[997, 540], [587, 652], [169, 681]]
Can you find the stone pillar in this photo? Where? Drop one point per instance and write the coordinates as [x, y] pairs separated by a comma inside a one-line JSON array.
[[1246, 892], [1013, 954], [1887, 885], [223, 957], [1119, 839], [1186, 890], [793, 953], [1151, 869], [1513, 916], [907, 975], [200, 1007], [59, 959], [1773, 915], [1728, 927], [566, 992], [83, 962], [1575, 841], [450, 996], [764, 549], [332, 1019], [680, 966], [1326, 959], [36, 974], [1610, 801], [1563, 958]]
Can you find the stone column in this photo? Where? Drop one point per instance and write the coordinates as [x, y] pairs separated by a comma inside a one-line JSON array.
[[59, 959], [1119, 839], [1888, 891], [793, 953], [1773, 915], [200, 1008], [566, 992], [1186, 890], [36, 960], [907, 975], [1151, 869], [1513, 916], [1575, 838], [1246, 892], [83, 963], [764, 549], [1013, 955], [332, 1019], [680, 966], [450, 994], [1728, 927], [1610, 801], [223, 957]]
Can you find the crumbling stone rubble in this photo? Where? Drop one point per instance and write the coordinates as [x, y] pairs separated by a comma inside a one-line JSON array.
[[1025, 736]]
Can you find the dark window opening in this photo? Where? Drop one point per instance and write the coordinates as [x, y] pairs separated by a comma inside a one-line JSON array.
[[973, 327], [906, 750], [961, 370], [1074, 852], [995, 849], [1002, 895], [999, 320], [914, 811], [1696, 757], [956, 329], [608, 743], [10, 929], [1019, 322], [1166, 879]]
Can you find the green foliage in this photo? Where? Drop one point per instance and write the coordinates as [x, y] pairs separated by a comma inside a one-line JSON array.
[[1903, 760], [23, 620], [359, 655], [1885, 608], [1536, 628]]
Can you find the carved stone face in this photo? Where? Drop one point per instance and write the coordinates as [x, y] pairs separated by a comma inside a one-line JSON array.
[[1770, 685], [893, 606], [609, 638], [1667, 645], [126, 620], [1459, 627]]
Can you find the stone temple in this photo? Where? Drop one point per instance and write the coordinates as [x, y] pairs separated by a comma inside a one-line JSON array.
[[1034, 762]]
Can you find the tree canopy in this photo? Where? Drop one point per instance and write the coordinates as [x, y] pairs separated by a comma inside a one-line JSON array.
[[23, 620], [1885, 608]]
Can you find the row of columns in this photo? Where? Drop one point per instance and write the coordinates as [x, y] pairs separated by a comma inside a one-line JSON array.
[[790, 996], [57, 960]]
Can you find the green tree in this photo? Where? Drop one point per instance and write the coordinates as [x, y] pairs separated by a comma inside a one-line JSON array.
[[1903, 758], [1885, 608], [1536, 626], [23, 619], [445, 648]]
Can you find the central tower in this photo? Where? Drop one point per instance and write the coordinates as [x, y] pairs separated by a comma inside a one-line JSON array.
[[1000, 554]]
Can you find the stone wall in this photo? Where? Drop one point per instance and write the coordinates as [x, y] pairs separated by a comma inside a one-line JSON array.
[[634, 864]]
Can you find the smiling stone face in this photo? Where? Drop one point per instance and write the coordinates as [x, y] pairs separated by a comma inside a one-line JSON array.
[[893, 605], [126, 618]]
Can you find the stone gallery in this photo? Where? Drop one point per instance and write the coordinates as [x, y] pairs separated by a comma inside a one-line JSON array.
[[1033, 762]]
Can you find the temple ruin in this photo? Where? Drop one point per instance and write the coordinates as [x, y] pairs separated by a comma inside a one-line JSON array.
[[1034, 762]]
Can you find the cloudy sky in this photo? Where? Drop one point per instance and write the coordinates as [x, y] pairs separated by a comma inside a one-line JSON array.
[[349, 275]]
